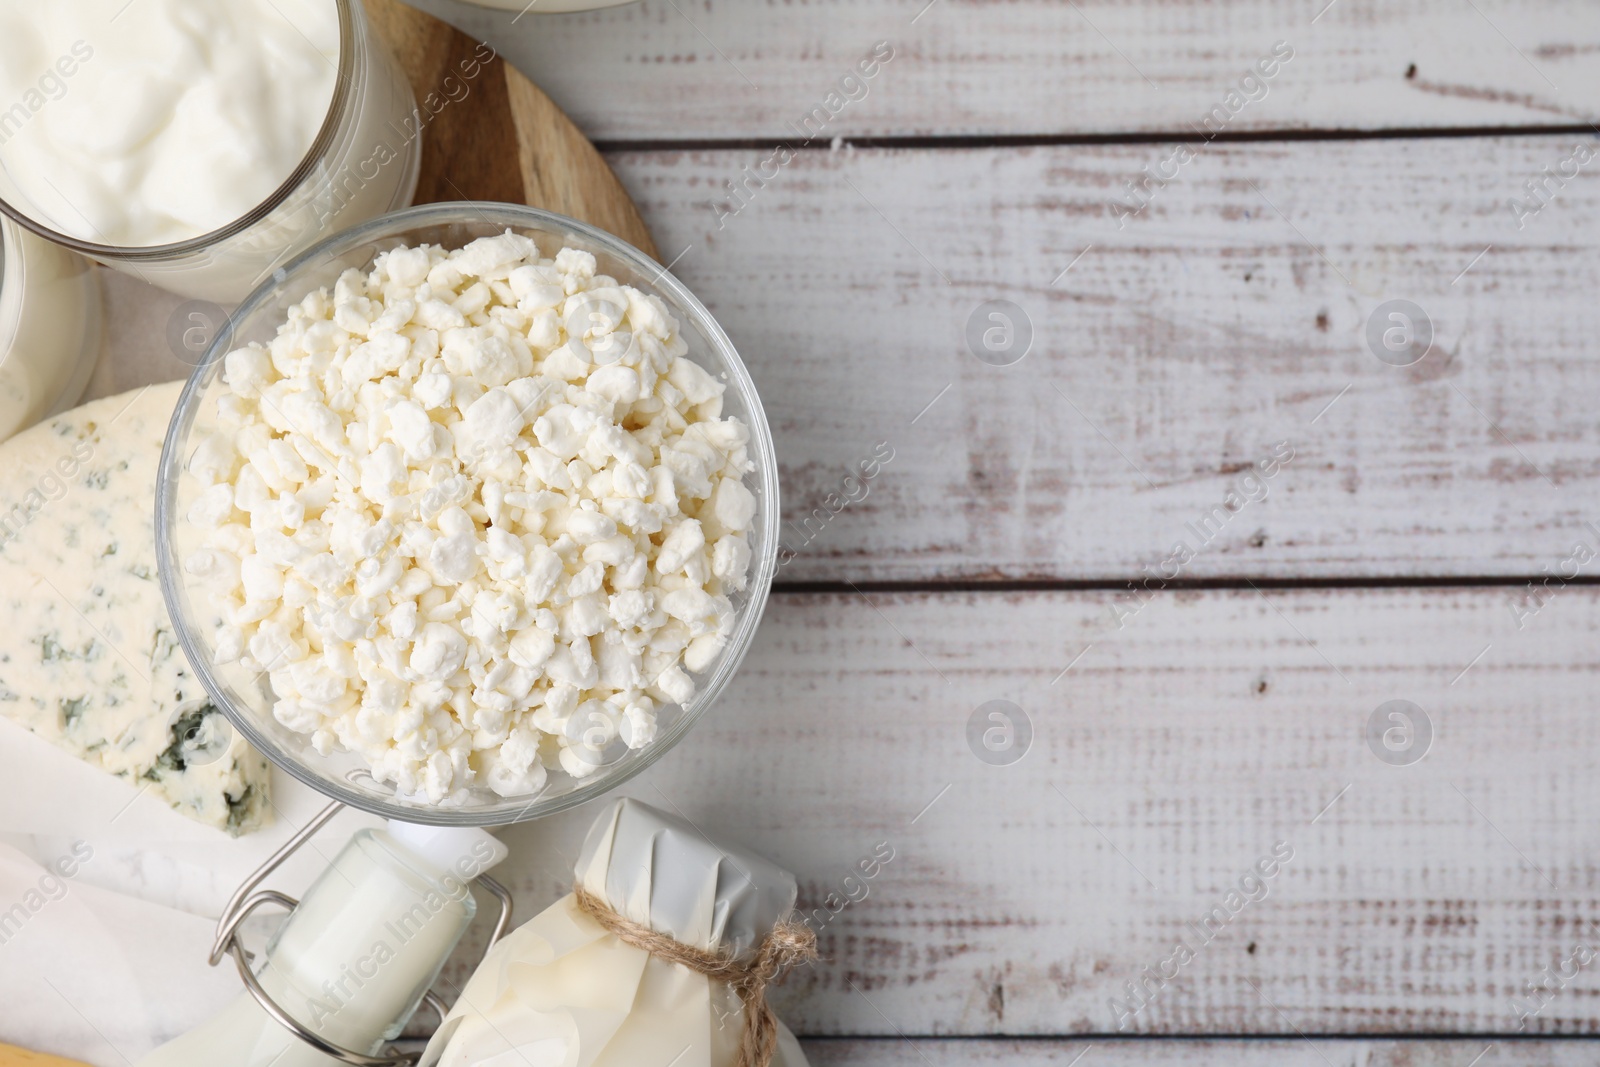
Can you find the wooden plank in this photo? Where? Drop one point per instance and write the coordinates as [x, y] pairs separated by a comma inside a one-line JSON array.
[[550, 164], [898, 1052], [1179, 350], [1171, 357], [700, 69], [1165, 764]]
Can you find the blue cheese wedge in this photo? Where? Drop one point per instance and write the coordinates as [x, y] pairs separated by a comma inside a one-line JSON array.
[[88, 657]]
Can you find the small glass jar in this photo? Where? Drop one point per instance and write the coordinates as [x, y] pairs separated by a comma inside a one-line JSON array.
[[355, 958], [50, 327], [363, 163]]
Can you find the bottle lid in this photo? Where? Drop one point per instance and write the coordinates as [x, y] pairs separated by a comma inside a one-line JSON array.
[[463, 851]]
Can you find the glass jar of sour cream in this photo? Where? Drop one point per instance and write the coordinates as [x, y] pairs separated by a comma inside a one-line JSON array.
[[199, 145], [50, 327]]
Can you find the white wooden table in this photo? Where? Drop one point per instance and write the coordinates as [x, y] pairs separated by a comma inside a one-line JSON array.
[[1187, 718]]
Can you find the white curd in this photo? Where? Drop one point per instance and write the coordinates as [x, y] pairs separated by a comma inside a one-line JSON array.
[[476, 515]]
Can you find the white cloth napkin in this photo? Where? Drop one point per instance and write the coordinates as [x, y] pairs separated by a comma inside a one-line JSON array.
[[96, 975], [142, 847], [110, 962]]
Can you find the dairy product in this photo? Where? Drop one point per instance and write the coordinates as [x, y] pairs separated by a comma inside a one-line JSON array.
[[354, 959], [181, 116], [562, 989], [50, 330], [88, 658], [476, 515], [147, 125]]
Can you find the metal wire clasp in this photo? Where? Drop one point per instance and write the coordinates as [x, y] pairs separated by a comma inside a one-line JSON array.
[[246, 900]]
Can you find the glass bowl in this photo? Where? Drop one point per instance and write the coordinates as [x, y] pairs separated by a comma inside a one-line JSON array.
[[364, 161], [247, 698]]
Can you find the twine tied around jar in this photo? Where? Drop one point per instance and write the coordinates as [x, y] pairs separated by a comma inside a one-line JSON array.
[[789, 943]]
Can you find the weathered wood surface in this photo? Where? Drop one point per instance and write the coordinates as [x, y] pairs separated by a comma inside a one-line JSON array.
[[510, 143], [1177, 740], [898, 1052], [1171, 758], [1173, 355], [905, 1051], [1176, 352], [685, 69]]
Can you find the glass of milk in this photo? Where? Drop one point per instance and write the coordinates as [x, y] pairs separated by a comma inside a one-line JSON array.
[[355, 957], [50, 327], [199, 145]]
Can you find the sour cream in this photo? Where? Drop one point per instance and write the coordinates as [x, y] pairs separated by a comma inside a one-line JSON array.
[[158, 121]]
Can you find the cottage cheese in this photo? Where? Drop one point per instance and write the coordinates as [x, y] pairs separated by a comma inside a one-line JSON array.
[[476, 515], [88, 658]]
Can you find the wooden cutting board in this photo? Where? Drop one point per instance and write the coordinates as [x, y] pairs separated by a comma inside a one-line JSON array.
[[12, 1056], [491, 134]]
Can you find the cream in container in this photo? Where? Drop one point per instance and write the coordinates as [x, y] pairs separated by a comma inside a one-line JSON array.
[[50, 327], [352, 962], [565, 988], [198, 145]]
